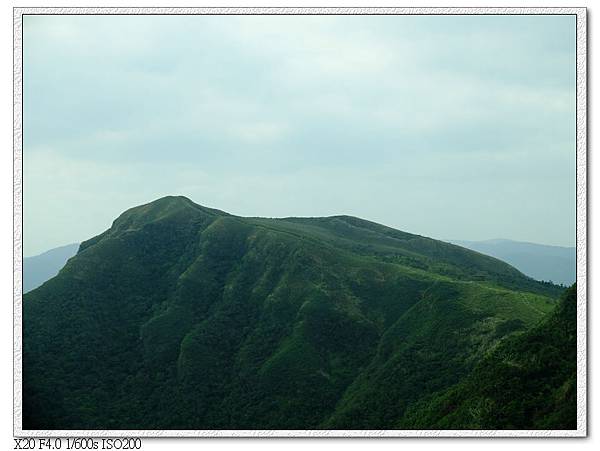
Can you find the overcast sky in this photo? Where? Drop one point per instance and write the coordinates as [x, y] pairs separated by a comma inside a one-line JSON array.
[[453, 127]]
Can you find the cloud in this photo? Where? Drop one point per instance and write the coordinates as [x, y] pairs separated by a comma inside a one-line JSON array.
[[262, 103]]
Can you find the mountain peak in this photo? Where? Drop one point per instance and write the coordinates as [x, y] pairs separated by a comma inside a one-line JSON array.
[[164, 207], [169, 202], [297, 323], [167, 208], [172, 199]]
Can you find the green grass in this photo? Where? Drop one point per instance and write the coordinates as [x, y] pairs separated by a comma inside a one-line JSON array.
[[183, 317], [528, 382]]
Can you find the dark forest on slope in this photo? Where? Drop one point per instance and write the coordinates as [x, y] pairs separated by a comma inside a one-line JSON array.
[[185, 317]]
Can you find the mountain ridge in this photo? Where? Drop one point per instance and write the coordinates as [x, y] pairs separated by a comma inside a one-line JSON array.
[[200, 319], [337, 225]]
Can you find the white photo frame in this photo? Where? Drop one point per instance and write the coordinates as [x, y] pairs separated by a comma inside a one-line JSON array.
[[581, 110]]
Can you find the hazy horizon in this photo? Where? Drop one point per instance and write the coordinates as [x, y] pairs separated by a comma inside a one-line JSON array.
[[445, 239], [452, 127]]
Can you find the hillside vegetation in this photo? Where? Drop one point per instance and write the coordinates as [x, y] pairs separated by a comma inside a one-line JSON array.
[[185, 317], [528, 382]]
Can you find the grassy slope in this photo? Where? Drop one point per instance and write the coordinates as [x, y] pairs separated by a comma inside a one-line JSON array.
[[181, 316], [528, 382], [433, 345]]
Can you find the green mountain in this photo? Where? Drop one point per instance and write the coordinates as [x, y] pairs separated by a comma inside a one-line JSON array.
[[527, 382], [185, 317]]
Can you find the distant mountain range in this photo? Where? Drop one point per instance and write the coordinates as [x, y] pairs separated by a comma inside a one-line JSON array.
[[40, 268], [550, 263], [185, 317]]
